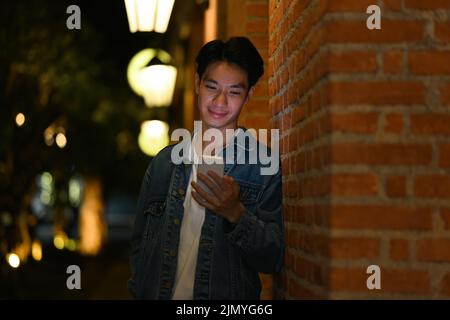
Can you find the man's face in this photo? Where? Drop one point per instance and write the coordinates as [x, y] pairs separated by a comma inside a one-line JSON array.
[[222, 92]]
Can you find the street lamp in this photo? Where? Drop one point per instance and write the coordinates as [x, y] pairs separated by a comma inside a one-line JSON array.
[[149, 15], [153, 137], [150, 76]]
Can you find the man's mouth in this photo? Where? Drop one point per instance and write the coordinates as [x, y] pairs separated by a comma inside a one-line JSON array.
[[217, 115]]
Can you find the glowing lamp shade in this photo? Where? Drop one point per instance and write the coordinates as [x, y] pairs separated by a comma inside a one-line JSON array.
[[159, 83], [156, 83], [149, 15], [153, 137]]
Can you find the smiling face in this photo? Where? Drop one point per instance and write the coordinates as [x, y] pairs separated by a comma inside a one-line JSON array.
[[222, 92]]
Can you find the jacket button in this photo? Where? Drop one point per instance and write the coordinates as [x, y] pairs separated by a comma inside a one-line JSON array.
[[176, 221], [172, 253], [167, 284], [181, 191]]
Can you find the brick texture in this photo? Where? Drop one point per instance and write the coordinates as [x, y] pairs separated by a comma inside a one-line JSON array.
[[445, 285], [365, 145], [399, 249]]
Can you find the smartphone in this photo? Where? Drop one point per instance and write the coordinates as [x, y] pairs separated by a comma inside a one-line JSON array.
[[214, 164]]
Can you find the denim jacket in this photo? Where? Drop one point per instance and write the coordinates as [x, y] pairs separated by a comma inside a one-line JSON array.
[[229, 256]]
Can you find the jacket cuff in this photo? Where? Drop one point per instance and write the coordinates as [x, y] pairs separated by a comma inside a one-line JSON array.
[[239, 232]]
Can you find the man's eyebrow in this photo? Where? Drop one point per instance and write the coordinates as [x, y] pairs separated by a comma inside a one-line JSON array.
[[234, 86], [239, 86], [211, 80]]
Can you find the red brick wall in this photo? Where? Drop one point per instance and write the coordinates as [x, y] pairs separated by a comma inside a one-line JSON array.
[[365, 139]]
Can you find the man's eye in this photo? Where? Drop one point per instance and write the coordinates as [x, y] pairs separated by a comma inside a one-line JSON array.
[[210, 87], [235, 93]]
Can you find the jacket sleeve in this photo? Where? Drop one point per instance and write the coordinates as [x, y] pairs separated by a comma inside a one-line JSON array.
[[138, 230], [260, 234]]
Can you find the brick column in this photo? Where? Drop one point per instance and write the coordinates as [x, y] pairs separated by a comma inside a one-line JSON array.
[[365, 138]]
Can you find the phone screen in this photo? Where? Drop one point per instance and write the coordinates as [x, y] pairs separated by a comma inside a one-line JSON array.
[[214, 164]]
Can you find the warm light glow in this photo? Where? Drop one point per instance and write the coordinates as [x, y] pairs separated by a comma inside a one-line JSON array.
[[74, 192], [211, 21], [131, 15], [20, 119], [59, 241], [61, 140], [36, 250], [159, 81], [92, 228], [48, 135], [47, 188], [46, 179], [163, 15], [149, 15], [71, 245], [140, 61], [13, 260], [145, 11], [153, 137], [156, 83]]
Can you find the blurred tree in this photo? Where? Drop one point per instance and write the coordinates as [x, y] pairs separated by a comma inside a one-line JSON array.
[[64, 78]]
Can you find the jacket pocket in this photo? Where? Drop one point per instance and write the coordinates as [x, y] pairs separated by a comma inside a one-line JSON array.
[[153, 220], [154, 215]]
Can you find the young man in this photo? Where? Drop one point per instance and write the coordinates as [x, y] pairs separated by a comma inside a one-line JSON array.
[[191, 244]]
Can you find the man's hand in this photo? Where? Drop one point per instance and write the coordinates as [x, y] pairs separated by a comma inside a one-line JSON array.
[[225, 200]]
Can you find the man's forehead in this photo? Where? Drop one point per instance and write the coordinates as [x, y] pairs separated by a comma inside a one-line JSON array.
[[225, 73]]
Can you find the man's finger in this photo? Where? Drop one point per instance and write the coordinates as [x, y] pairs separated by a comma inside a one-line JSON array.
[[211, 185], [204, 194], [200, 200], [216, 178], [225, 182]]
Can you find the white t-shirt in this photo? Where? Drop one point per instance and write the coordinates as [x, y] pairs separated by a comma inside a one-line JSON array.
[[191, 229]]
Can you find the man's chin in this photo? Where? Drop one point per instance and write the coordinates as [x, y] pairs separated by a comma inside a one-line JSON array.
[[216, 124]]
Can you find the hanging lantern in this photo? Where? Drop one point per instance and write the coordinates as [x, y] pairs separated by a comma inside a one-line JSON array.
[[150, 76], [153, 137], [149, 15]]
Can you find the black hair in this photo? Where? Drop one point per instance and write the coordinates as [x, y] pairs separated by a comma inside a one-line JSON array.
[[237, 50]]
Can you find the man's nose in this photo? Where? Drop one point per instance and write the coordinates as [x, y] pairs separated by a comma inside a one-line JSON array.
[[221, 98]]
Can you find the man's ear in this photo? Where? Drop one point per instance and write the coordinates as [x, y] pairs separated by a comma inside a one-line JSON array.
[[197, 83]]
